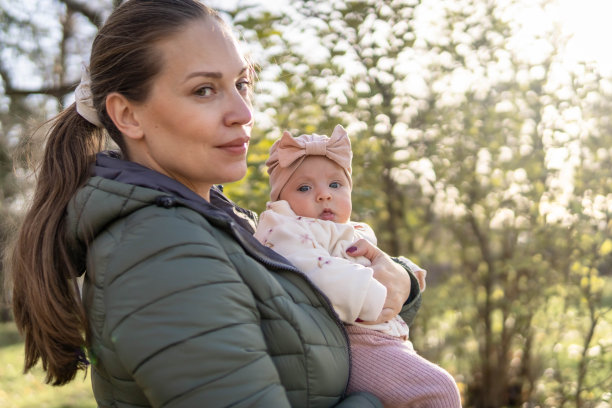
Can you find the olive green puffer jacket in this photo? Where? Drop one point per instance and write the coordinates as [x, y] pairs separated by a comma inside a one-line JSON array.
[[187, 309]]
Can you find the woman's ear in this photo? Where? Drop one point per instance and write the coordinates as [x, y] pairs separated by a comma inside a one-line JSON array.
[[121, 112]]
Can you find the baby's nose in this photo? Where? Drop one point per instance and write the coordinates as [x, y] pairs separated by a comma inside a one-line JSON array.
[[323, 195]]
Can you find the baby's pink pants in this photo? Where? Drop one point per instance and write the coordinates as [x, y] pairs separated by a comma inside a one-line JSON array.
[[389, 368]]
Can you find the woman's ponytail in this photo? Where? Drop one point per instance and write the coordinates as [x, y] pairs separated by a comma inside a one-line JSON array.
[[46, 302]]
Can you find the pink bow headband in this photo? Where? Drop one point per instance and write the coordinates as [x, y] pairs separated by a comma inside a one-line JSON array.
[[287, 153]]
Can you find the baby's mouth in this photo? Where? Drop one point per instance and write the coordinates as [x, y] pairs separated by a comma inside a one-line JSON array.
[[327, 215]]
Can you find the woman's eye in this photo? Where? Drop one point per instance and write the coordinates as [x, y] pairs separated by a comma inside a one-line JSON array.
[[334, 184], [303, 188], [204, 91], [243, 85]]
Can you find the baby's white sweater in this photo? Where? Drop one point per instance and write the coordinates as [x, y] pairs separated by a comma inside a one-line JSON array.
[[318, 249]]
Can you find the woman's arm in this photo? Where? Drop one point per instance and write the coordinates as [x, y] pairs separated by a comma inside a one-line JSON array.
[[413, 303], [184, 324], [403, 294], [360, 399]]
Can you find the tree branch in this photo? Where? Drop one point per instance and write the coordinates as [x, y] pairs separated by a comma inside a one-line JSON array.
[[56, 91], [94, 16]]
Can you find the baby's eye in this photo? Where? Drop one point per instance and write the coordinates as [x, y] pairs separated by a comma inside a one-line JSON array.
[[204, 91], [303, 188], [334, 184]]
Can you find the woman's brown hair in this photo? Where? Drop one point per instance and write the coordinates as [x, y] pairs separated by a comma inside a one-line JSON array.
[[46, 301]]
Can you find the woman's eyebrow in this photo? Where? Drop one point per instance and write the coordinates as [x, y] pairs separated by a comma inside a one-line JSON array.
[[211, 74], [204, 74]]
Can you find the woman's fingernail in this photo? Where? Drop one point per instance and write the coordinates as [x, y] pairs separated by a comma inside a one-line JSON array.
[[351, 249]]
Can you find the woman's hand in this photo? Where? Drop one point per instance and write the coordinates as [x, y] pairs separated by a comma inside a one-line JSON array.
[[391, 274]]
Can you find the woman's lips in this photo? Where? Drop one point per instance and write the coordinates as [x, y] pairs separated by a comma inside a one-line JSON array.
[[236, 146]]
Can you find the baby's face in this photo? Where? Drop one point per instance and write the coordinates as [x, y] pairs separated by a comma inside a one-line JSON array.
[[319, 188]]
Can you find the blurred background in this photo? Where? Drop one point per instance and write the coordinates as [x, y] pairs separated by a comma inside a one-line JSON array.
[[483, 151]]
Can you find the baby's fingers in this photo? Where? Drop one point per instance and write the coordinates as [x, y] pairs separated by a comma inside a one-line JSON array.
[[386, 315]]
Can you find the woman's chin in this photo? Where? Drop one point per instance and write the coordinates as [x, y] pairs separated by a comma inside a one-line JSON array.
[[234, 175]]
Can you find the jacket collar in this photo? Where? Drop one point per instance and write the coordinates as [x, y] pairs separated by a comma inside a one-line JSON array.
[[110, 165], [221, 211]]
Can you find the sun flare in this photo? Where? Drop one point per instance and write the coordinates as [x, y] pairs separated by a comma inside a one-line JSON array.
[[588, 21]]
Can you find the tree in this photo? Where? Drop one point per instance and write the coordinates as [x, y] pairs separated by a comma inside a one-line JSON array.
[[454, 160], [351, 72], [39, 45], [583, 355], [477, 154]]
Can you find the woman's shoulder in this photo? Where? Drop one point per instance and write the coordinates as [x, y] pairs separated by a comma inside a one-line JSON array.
[[131, 212]]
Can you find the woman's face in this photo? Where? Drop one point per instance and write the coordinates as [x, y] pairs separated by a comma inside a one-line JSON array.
[[196, 122]]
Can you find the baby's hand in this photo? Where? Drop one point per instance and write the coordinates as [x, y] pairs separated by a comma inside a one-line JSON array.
[[385, 315]]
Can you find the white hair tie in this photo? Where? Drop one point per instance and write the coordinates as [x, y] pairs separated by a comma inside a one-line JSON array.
[[84, 99]]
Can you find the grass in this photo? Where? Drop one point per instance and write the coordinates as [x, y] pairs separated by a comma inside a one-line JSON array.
[[18, 390]]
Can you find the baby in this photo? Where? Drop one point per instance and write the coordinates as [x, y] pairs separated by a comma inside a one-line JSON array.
[[308, 222]]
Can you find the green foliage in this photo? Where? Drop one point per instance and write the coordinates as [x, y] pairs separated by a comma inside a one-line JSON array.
[[316, 91], [455, 166], [25, 391], [490, 167]]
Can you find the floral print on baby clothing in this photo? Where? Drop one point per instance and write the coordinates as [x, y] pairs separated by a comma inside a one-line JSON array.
[[318, 249]]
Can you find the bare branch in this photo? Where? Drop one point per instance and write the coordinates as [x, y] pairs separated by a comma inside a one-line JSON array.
[[56, 91], [95, 16], [5, 77]]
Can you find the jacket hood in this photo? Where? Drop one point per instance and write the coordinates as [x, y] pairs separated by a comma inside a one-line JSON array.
[[119, 187]]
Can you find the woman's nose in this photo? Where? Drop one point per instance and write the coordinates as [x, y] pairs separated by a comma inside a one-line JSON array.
[[239, 110]]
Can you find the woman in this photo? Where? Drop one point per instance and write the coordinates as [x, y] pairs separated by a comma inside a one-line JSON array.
[[181, 306]]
